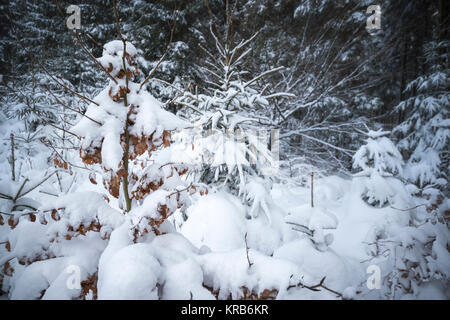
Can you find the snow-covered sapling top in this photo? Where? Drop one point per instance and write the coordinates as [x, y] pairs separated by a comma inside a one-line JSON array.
[[378, 161], [379, 154], [148, 124]]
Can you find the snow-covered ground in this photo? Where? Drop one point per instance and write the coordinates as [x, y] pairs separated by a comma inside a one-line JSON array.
[[215, 251]]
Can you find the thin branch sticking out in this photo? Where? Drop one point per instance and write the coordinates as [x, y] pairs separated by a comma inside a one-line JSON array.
[[246, 250], [316, 287]]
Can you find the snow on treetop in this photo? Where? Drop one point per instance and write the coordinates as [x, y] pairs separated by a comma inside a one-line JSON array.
[[149, 119], [112, 59], [379, 155], [115, 47]]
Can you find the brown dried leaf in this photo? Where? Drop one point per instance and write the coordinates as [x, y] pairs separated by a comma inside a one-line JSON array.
[[92, 178]]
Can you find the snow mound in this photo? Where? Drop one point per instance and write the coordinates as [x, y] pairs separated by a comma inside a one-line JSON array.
[[215, 222], [49, 279], [314, 265], [313, 222], [184, 281], [132, 273], [228, 274]]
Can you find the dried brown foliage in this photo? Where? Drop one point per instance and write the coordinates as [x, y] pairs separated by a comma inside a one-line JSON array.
[[91, 155], [89, 285], [266, 294]]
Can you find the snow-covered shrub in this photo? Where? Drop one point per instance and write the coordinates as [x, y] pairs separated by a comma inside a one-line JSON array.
[[30, 236], [125, 134], [415, 257], [238, 274], [46, 242], [124, 130], [380, 163], [413, 254]]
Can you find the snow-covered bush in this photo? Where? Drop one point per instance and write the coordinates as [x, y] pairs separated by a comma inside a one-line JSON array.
[[414, 258], [123, 128], [26, 184], [380, 163], [412, 255], [123, 132], [417, 259]]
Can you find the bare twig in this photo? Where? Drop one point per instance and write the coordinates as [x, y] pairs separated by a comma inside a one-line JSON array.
[[315, 287], [70, 108], [306, 229], [93, 58], [48, 145], [38, 184], [20, 190], [65, 86], [420, 205], [246, 250], [81, 43], [213, 21], [179, 191], [13, 159], [312, 189]]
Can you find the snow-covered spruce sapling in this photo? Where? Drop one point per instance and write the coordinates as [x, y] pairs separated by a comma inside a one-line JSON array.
[[14, 191], [424, 136], [236, 111], [18, 206], [417, 255], [379, 163]]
